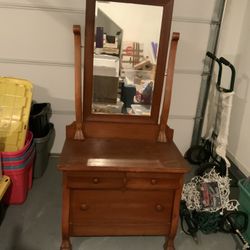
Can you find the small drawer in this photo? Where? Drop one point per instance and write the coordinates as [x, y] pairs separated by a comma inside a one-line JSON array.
[[95, 180], [152, 181]]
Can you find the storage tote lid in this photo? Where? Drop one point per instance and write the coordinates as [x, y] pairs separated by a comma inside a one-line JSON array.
[[15, 103]]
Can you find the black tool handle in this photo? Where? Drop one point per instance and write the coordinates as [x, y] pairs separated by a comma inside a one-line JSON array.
[[214, 58], [227, 63], [211, 55]]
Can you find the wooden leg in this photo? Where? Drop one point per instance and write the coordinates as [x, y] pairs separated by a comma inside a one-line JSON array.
[[169, 244], [66, 245]]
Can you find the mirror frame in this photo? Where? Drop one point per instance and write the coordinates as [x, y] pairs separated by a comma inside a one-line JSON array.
[[88, 116]]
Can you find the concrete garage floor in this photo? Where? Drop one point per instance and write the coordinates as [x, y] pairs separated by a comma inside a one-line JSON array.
[[36, 225]]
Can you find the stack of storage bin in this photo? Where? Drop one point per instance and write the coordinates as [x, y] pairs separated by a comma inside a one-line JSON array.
[[16, 148], [44, 134]]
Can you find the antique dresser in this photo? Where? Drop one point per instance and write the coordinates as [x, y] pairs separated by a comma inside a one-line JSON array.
[[122, 172]]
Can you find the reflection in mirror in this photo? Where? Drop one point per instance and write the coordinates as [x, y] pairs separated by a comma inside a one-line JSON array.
[[125, 55]]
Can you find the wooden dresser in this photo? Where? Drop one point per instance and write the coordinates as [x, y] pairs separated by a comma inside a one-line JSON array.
[[121, 187], [122, 174]]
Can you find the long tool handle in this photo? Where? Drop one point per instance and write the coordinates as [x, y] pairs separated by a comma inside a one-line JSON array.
[[78, 80], [165, 135]]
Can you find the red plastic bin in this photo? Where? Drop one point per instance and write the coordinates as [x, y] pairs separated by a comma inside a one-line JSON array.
[[18, 166], [21, 182], [19, 153], [13, 163]]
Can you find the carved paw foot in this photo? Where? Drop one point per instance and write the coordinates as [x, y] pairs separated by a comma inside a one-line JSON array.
[[169, 245], [66, 245]]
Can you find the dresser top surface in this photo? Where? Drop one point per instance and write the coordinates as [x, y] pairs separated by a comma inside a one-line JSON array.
[[120, 154]]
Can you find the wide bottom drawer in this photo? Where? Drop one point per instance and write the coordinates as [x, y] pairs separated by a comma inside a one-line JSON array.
[[121, 208], [97, 229]]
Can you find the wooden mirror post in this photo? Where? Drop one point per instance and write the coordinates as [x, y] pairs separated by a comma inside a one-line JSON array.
[[165, 133], [78, 83]]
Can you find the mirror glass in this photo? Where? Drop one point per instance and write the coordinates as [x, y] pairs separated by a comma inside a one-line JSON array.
[[125, 55]]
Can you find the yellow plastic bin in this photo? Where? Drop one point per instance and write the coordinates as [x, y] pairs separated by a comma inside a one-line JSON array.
[[15, 104], [4, 184]]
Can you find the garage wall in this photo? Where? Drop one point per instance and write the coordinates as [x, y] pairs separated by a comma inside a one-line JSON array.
[[192, 19], [37, 44], [234, 45]]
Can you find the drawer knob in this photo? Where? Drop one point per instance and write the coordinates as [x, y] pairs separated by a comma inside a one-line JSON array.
[[159, 208], [153, 181], [84, 207], [125, 180], [96, 180]]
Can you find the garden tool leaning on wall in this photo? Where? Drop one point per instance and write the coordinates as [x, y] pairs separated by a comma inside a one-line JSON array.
[[212, 152]]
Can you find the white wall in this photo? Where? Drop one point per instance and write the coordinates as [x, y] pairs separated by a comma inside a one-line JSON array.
[[234, 45], [37, 44]]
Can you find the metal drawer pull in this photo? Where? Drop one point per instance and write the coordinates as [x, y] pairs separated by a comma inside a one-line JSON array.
[[153, 181], [84, 207], [96, 180], [159, 207]]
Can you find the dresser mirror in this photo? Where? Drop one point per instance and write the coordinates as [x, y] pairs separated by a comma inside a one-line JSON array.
[[126, 44], [125, 57]]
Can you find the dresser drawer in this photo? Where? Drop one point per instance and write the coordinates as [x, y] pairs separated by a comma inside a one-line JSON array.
[[96, 180], [152, 181], [120, 207]]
